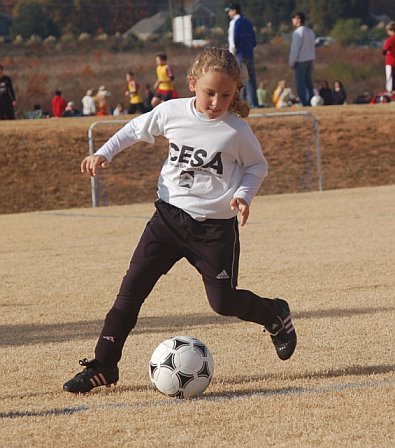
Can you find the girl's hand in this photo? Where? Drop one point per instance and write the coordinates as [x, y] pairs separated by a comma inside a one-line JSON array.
[[91, 164], [243, 208]]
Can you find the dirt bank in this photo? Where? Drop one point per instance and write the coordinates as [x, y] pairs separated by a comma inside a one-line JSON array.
[[39, 159]]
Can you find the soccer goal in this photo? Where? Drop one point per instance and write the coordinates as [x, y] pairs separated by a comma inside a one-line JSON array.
[[290, 141], [291, 144]]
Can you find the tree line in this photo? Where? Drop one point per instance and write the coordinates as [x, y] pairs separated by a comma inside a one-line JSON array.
[[59, 17]]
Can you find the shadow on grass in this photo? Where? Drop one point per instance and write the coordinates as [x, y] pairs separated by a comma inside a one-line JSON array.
[[17, 335], [30, 334], [294, 390], [113, 390], [356, 370]]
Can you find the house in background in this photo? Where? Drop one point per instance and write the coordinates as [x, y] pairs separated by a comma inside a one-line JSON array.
[[202, 16], [149, 28]]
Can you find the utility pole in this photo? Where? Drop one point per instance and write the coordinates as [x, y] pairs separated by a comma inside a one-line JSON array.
[[171, 10]]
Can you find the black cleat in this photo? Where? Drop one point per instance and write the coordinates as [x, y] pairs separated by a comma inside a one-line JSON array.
[[283, 333], [94, 375]]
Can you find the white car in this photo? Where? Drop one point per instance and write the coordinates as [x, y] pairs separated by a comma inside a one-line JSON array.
[[323, 41]]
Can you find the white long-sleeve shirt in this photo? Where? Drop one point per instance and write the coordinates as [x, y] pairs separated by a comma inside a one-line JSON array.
[[302, 45], [231, 34], [210, 161], [88, 105]]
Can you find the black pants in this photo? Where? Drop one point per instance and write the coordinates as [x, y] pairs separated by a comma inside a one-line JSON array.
[[211, 246], [6, 110], [136, 107]]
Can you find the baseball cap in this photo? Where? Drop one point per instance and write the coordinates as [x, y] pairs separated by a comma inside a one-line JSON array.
[[232, 6]]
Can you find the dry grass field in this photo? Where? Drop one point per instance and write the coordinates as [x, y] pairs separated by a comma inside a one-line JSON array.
[[331, 254]]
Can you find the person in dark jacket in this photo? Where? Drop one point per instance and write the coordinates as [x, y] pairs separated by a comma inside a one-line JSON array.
[[338, 93], [71, 110], [7, 97], [325, 93], [242, 41]]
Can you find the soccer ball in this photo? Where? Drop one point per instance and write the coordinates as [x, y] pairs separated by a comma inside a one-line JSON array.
[[316, 100], [181, 367]]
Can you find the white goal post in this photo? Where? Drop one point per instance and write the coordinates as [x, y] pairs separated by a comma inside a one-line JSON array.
[[314, 131], [308, 115]]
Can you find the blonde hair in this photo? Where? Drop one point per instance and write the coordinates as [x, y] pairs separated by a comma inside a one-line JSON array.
[[222, 61]]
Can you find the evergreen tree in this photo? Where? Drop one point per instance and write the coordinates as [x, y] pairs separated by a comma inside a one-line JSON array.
[[323, 14], [32, 19], [126, 13], [357, 9], [63, 14], [384, 7], [92, 16], [347, 31], [275, 12]]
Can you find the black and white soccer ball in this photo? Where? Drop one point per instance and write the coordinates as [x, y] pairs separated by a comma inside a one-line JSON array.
[[181, 367], [317, 100]]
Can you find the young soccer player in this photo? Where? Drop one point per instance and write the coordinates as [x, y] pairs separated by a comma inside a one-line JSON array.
[[134, 93], [163, 86], [213, 170]]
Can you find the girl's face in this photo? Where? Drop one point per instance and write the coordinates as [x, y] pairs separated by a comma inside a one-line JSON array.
[[214, 93]]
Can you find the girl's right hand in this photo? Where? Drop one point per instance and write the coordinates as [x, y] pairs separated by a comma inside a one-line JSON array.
[[91, 164]]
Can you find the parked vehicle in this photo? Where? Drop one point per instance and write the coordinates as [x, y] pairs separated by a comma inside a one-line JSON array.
[[323, 41]]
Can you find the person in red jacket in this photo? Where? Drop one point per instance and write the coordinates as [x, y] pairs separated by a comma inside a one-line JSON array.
[[58, 104], [389, 52]]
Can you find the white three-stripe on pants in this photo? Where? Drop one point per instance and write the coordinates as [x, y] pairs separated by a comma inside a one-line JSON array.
[[389, 77]]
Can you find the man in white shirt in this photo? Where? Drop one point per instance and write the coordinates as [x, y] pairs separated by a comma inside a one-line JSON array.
[[301, 57], [242, 41]]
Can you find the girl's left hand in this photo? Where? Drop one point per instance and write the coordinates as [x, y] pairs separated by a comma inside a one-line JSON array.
[[243, 208]]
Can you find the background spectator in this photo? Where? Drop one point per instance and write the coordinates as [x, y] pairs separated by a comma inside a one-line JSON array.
[[148, 95], [101, 99], [381, 98], [262, 95], [58, 104], [283, 96], [277, 93], [242, 41], [338, 93], [301, 57], [37, 112], [364, 98], [119, 110], [88, 104], [7, 97], [71, 110], [325, 93], [389, 52]]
